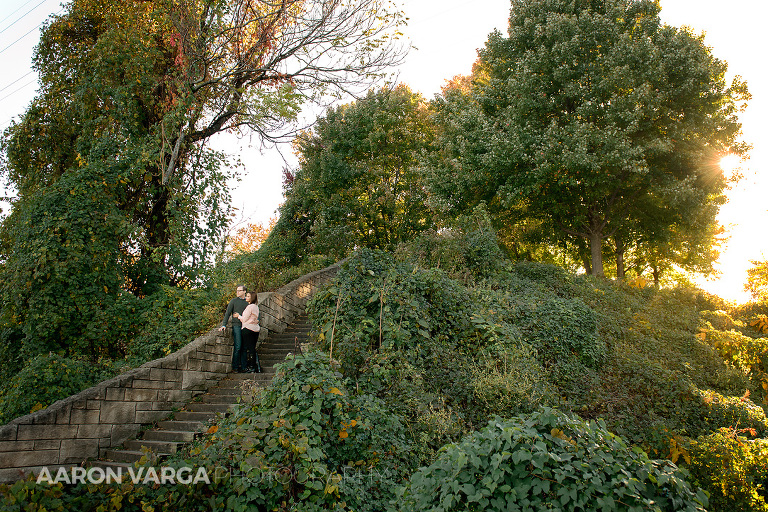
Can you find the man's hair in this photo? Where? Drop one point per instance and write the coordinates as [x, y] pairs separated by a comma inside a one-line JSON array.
[[243, 287]]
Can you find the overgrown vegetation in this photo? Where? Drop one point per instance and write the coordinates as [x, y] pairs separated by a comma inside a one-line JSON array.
[[422, 358], [143, 329], [573, 139]]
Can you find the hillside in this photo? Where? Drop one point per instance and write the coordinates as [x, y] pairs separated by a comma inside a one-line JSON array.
[[429, 344]]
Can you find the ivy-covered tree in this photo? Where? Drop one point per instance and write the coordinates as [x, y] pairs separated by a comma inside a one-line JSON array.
[[118, 193], [596, 117], [357, 181]]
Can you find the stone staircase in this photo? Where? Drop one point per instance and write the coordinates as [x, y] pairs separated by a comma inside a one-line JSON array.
[[167, 436]]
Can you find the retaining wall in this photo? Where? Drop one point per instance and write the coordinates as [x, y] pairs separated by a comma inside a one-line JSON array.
[[104, 416]]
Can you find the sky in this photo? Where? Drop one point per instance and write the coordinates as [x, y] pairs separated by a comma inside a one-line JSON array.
[[446, 35]]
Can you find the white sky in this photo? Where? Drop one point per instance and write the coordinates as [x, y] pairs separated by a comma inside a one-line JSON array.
[[447, 34]]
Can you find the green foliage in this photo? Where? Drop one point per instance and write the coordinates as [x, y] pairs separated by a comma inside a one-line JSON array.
[[733, 468], [386, 304], [565, 329], [470, 245], [590, 115], [547, 461], [721, 320], [61, 281], [747, 354], [508, 379], [46, 378], [757, 281], [357, 184], [734, 412]]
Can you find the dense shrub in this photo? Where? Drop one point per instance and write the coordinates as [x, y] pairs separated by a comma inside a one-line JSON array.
[[563, 330], [507, 379], [719, 411], [733, 468], [467, 249], [547, 461], [45, 379], [378, 302], [720, 320]]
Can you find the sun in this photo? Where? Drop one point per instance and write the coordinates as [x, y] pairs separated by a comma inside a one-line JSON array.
[[730, 163]]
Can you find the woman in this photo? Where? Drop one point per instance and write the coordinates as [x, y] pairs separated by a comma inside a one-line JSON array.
[[250, 320]]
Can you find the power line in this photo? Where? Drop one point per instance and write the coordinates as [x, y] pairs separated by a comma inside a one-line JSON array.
[[17, 10], [17, 80], [22, 16], [17, 90], [22, 37], [25, 35]]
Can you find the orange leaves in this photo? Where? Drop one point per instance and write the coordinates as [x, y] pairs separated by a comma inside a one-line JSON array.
[[343, 432], [760, 323], [676, 450], [249, 238]]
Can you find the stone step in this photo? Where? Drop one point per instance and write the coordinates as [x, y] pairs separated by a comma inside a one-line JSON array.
[[210, 408], [186, 426], [271, 349], [128, 456], [194, 416], [277, 350], [286, 338], [219, 399], [233, 391], [194, 419], [168, 435], [117, 467], [155, 446]]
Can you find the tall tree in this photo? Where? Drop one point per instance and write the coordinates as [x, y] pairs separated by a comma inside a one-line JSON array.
[[115, 181], [590, 108], [357, 178]]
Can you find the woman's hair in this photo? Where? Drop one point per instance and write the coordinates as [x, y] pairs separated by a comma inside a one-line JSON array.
[[254, 297]]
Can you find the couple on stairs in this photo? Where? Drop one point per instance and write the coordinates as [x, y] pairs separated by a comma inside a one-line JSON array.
[[244, 311]]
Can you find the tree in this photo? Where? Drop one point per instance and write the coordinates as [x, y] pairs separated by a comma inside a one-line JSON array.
[[111, 162], [597, 117], [249, 238], [757, 281], [357, 179]]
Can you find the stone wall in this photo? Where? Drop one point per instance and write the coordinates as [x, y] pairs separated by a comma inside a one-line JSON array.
[[105, 416]]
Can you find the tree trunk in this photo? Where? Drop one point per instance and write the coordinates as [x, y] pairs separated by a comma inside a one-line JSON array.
[[620, 248], [596, 247], [656, 275], [585, 260]]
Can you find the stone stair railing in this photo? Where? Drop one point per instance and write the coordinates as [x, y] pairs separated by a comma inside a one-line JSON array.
[[105, 416]]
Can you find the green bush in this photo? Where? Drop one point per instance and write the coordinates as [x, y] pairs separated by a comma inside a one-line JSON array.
[[507, 379], [565, 329], [308, 442], [45, 379], [731, 412], [377, 302], [721, 320], [469, 248], [547, 461], [733, 468]]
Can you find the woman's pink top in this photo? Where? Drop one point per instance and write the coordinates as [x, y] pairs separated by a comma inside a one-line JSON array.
[[250, 318]]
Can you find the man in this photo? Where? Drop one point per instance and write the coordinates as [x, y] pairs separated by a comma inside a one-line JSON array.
[[236, 305]]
